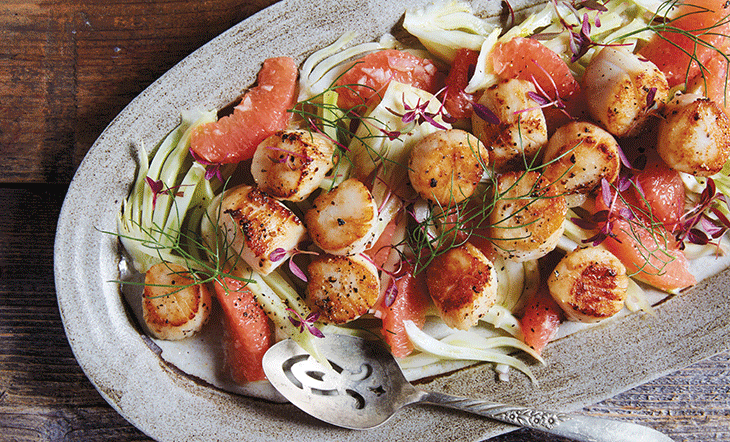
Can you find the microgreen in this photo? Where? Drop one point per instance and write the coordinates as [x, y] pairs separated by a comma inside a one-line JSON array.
[[485, 113], [581, 41], [211, 169], [705, 214], [419, 114], [279, 253], [541, 97], [305, 323], [603, 221], [158, 188]]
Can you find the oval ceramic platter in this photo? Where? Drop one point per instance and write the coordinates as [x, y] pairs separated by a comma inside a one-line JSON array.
[[168, 405]]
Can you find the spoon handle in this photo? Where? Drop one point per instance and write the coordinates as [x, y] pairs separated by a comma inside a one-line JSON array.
[[571, 426]]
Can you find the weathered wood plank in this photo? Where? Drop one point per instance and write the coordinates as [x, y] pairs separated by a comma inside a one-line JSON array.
[[67, 68]]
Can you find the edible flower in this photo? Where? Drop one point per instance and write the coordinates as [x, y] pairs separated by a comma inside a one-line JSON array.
[[305, 323], [158, 188], [211, 169], [705, 214]]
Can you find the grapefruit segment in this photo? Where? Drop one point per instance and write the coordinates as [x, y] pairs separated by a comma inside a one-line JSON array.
[[247, 331], [540, 319], [410, 304], [676, 53], [457, 102], [715, 83], [370, 75], [527, 58], [650, 255], [262, 111]]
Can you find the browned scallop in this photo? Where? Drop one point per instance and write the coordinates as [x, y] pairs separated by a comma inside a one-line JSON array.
[[291, 164], [589, 284], [174, 306], [463, 285], [578, 156], [620, 88], [342, 288], [694, 136], [521, 131], [343, 221], [259, 228], [527, 219], [446, 166]]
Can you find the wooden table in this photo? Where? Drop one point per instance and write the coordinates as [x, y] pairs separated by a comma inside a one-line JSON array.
[[66, 69]]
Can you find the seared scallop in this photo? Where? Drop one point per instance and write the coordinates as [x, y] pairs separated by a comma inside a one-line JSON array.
[[174, 305], [578, 156], [620, 89], [343, 221], [518, 131], [446, 166], [342, 288], [258, 227], [694, 136], [589, 284], [291, 164], [527, 219], [463, 285]]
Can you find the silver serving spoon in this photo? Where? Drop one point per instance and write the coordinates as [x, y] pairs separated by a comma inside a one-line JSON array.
[[364, 387]]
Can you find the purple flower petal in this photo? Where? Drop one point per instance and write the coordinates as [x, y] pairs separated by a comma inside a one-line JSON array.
[[390, 293], [409, 117], [297, 271], [650, 98], [624, 183], [606, 192], [539, 99], [593, 5], [626, 214], [277, 254], [713, 229], [314, 331], [583, 224], [294, 318], [624, 160], [697, 236], [155, 186], [600, 217], [485, 113], [312, 317], [429, 118], [392, 135]]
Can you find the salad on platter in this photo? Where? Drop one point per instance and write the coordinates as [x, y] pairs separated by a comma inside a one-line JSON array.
[[465, 195]]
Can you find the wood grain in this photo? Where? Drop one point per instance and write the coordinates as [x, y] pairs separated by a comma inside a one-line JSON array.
[[68, 67]]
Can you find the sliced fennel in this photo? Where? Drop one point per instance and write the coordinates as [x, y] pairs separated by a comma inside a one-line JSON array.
[[149, 225], [510, 281], [444, 27], [636, 298], [484, 75], [503, 319], [428, 344], [371, 147], [322, 68]]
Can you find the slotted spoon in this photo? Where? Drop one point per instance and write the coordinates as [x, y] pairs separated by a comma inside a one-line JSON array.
[[364, 387]]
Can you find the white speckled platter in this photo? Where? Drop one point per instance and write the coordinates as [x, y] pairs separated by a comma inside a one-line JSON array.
[[582, 368]]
